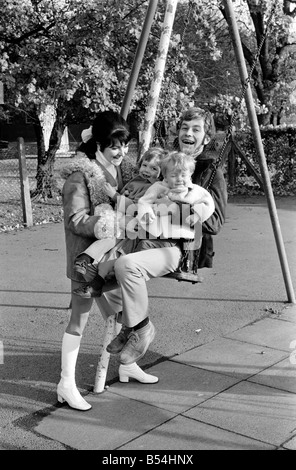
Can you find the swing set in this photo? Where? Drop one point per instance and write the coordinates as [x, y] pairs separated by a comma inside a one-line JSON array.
[[188, 268]]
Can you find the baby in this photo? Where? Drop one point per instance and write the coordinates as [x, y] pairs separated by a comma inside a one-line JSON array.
[[159, 209]]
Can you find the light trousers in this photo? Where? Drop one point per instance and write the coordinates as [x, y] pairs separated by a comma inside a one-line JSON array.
[[132, 272]]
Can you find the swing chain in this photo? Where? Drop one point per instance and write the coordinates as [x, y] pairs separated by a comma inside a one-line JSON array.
[[190, 258], [193, 257], [228, 135]]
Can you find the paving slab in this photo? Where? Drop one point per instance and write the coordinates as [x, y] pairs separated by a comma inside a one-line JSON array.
[[281, 376], [112, 422], [20, 299], [271, 332], [251, 410], [185, 434], [289, 313], [34, 314], [180, 387], [231, 357], [290, 445]]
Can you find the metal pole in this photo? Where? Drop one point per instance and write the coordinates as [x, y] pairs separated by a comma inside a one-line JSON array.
[[260, 149], [138, 58], [158, 74]]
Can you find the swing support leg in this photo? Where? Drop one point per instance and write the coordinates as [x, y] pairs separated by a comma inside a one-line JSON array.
[[158, 74], [104, 356], [260, 149], [152, 7]]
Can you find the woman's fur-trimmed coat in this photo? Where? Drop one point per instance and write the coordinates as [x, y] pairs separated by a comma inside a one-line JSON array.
[[88, 213]]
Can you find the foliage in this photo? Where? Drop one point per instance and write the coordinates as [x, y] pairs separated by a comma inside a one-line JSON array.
[[279, 147], [77, 56], [211, 54], [228, 107], [54, 53], [211, 51], [274, 71], [50, 53]]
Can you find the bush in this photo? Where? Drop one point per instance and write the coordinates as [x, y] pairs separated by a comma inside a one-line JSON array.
[[280, 151]]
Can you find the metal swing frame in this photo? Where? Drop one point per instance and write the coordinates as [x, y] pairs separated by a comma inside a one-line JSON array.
[[188, 266], [181, 274], [111, 328]]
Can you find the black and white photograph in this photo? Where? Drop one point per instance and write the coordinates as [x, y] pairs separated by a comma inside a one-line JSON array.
[[148, 228]]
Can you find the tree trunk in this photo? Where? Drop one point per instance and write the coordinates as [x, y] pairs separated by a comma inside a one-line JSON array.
[[46, 157]]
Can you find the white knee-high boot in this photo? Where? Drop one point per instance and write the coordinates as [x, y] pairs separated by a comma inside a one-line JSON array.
[[67, 390]]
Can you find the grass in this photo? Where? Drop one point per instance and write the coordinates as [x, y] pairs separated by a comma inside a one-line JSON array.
[[11, 211]]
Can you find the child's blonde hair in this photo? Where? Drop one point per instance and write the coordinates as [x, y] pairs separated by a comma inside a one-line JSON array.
[[180, 161]]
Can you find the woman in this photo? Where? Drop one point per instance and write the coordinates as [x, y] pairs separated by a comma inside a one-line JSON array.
[[88, 215]]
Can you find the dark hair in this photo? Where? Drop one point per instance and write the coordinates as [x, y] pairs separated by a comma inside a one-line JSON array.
[[107, 127], [196, 113]]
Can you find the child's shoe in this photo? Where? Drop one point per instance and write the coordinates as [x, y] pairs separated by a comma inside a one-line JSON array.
[[81, 263], [84, 266], [93, 289]]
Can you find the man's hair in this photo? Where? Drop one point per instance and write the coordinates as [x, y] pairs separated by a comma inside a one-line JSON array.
[[179, 160], [197, 113]]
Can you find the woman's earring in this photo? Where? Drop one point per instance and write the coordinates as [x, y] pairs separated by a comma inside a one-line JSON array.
[[99, 146]]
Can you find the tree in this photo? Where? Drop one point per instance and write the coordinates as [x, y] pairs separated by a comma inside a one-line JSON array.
[[64, 60], [275, 68], [44, 64], [210, 52]]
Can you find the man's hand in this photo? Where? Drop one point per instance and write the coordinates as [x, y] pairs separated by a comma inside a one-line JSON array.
[[193, 219]]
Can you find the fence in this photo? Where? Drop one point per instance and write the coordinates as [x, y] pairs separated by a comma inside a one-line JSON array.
[[11, 210], [11, 207]]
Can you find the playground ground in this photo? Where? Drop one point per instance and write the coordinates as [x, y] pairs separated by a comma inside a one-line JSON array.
[[224, 349]]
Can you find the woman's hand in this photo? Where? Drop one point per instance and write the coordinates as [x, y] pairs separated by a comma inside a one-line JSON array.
[[109, 190]]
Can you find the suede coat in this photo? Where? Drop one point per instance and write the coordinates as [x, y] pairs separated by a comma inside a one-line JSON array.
[[218, 191], [88, 211]]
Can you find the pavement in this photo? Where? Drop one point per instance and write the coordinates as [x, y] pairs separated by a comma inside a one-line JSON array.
[[225, 350]]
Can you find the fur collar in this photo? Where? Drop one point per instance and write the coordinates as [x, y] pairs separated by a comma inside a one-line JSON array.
[[95, 177]]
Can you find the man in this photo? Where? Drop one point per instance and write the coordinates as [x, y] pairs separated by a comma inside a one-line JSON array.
[[196, 130], [133, 270]]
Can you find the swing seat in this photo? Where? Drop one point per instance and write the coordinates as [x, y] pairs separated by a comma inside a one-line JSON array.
[[188, 267], [180, 276]]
